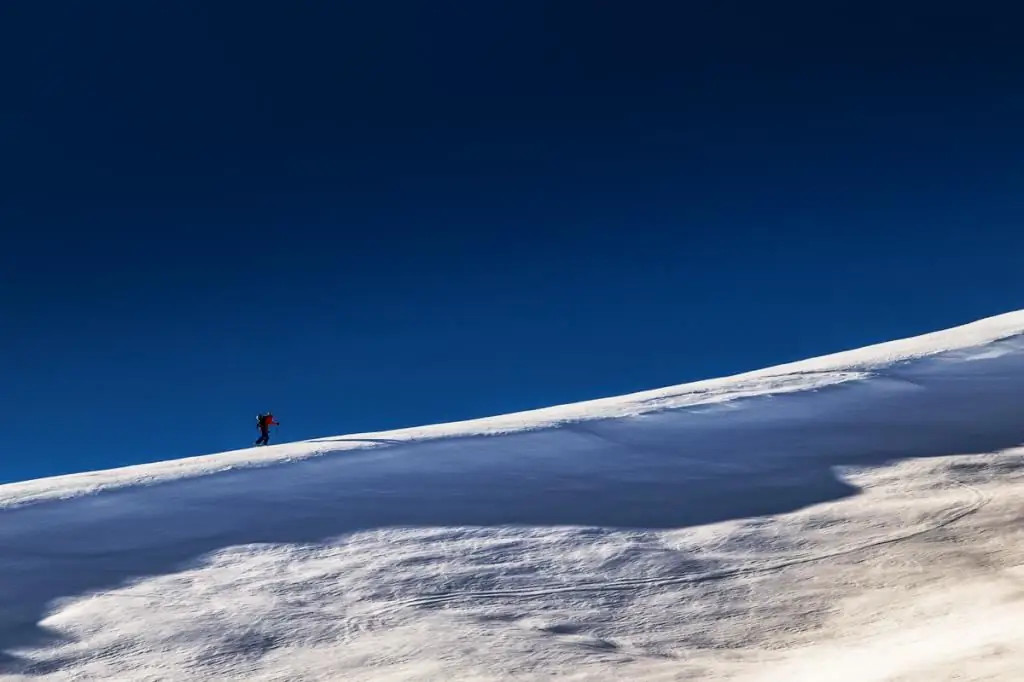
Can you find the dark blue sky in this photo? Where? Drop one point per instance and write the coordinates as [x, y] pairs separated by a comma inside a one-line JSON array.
[[378, 214]]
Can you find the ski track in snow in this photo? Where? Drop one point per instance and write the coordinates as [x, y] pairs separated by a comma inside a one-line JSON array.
[[952, 516], [852, 517], [977, 500]]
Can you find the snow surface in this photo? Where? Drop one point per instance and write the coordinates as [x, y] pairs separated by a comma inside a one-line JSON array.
[[854, 517]]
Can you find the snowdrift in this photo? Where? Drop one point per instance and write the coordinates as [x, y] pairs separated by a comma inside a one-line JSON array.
[[851, 517]]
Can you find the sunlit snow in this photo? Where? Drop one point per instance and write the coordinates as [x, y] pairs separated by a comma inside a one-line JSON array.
[[854, 517]]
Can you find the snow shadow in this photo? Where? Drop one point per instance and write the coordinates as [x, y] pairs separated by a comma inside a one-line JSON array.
[[678, 468]]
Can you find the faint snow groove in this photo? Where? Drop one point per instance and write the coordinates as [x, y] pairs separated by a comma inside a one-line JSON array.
[[580, 428], [640, 583], [978, 500]]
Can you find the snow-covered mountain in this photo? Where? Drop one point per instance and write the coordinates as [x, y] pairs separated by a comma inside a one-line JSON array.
[[854, 517]]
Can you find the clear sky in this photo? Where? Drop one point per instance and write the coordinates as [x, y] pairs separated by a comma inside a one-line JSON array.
[[380, 214]]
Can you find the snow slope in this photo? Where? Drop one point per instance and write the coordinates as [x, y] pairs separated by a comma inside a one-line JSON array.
[[851, 517]]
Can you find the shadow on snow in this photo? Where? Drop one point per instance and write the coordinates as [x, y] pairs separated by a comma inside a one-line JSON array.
[[760, 456]]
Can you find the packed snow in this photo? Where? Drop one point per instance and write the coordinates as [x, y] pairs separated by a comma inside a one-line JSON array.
[[854, 517]]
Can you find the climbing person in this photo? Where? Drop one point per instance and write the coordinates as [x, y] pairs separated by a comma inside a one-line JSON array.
[[263, 423]]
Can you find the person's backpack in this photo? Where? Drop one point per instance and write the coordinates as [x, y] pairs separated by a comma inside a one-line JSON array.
[[260, 420]]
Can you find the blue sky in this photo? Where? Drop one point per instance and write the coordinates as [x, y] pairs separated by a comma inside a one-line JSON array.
[[409, 212]]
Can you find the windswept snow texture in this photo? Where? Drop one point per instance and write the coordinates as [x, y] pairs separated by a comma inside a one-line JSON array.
[[855, 517]]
